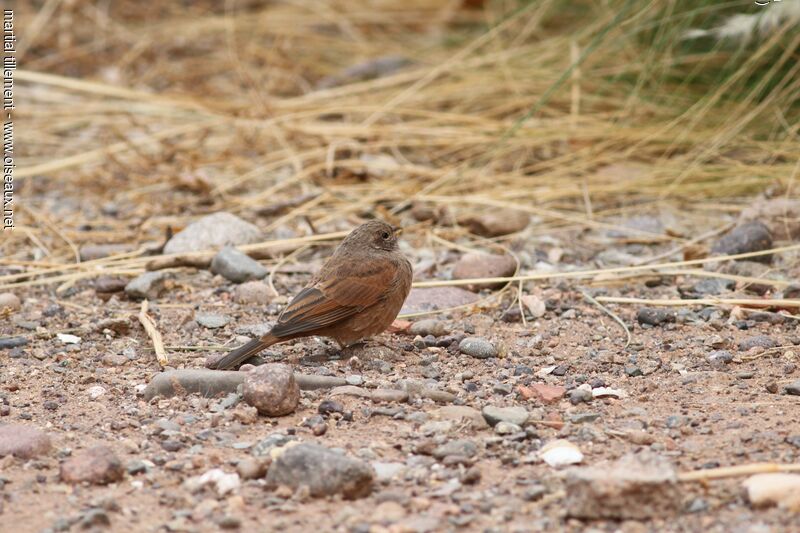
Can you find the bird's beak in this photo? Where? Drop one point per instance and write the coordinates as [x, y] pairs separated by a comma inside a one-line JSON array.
[[397, 230]]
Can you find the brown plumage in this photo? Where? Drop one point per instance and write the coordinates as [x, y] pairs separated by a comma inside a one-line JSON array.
[[356, 294]]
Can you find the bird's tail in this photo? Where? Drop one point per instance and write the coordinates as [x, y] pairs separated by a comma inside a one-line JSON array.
[[245, 352]]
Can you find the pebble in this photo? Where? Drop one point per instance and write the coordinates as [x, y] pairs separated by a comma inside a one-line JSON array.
[[560, 452], [351, 390], [211, 232], [9, 300], [497, 223], [149, 285], [208, 383], [793, 388], [759, 341], [237, 266], [252, 292], [389, 395], [272, 389], [654, 316], [95, 392], [479, 265], [506, 428], [543, 392], [460, 414], [780, 489], [6, 343], [458, 447], [89, 252], [211, 320], [477, 347], [434, 298], [751, 236], [583, 418], [275, 441], [514, 415], [94, 518], [387, 512], [223, 482], [251, 468], [430, 326], [23, 441], [580, 395], [719, 358], [98, 465], [354, 380], [324, 471], [636, 487], [438, 396], [109, 284], [385, 472]]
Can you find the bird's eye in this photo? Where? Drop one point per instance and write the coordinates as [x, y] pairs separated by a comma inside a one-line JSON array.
[[385, 235]]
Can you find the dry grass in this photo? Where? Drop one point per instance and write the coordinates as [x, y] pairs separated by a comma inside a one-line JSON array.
[[171, 112]]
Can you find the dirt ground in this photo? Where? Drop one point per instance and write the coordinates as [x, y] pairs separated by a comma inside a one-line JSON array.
[[696, 412]]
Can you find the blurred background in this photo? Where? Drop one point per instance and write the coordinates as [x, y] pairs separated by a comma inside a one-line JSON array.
[[304, 116]]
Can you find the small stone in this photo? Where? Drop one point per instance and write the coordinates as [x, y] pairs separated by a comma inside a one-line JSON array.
[[636, 487], [322, 470], [98, 465], [434, 298], [90, 252], [495, 224], [719, 358], [351, 390], [354, 380], [229, 522], [477, 347], [272, 389], [506, 428], [654, 316], [478, 265], [514, 415], [109, 284], [7, 343], [560, 452], [252, 292], [208, 383], [389, 395], [237, 266], [580, 395], [25, 442], [211, 320], [779, 489], [9, 300], [95, 518], [759, 341], [430, 326], [460, 414], [546, 393], [212, 232], [223, 482], [752, 236], [387, 512], [385, 472], [251, 468], [95, 392], [793, 388], [583, 418], [148, 285], [460, 447]]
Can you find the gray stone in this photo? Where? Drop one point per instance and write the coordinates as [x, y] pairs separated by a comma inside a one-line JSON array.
[[253, 292], [351, 390], [6, 343], [211, 320], [237, 266], [478, 265], [272, 389], [506, 428], [636, 487], [212, 232], [654, 316], [265, 446], [719, 358], [429, 326], [148, 285], [461, 447], [793, 388], [497, 223], [477, 347], [435, 298], [25, 442], [89, 252], [389, 395], [514, 415], [752, 236], [212, 383], [759, 341], [323, 471]]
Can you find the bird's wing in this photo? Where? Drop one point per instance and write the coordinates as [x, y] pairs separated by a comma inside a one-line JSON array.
[[338, 294]]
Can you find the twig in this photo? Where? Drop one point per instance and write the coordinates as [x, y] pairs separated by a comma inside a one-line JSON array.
[[735, 471], [154, 334]]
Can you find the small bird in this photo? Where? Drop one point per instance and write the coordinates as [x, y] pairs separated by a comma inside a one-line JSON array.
[[356, 294]]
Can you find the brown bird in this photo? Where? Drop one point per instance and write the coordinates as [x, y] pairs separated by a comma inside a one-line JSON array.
[[356, 294]]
